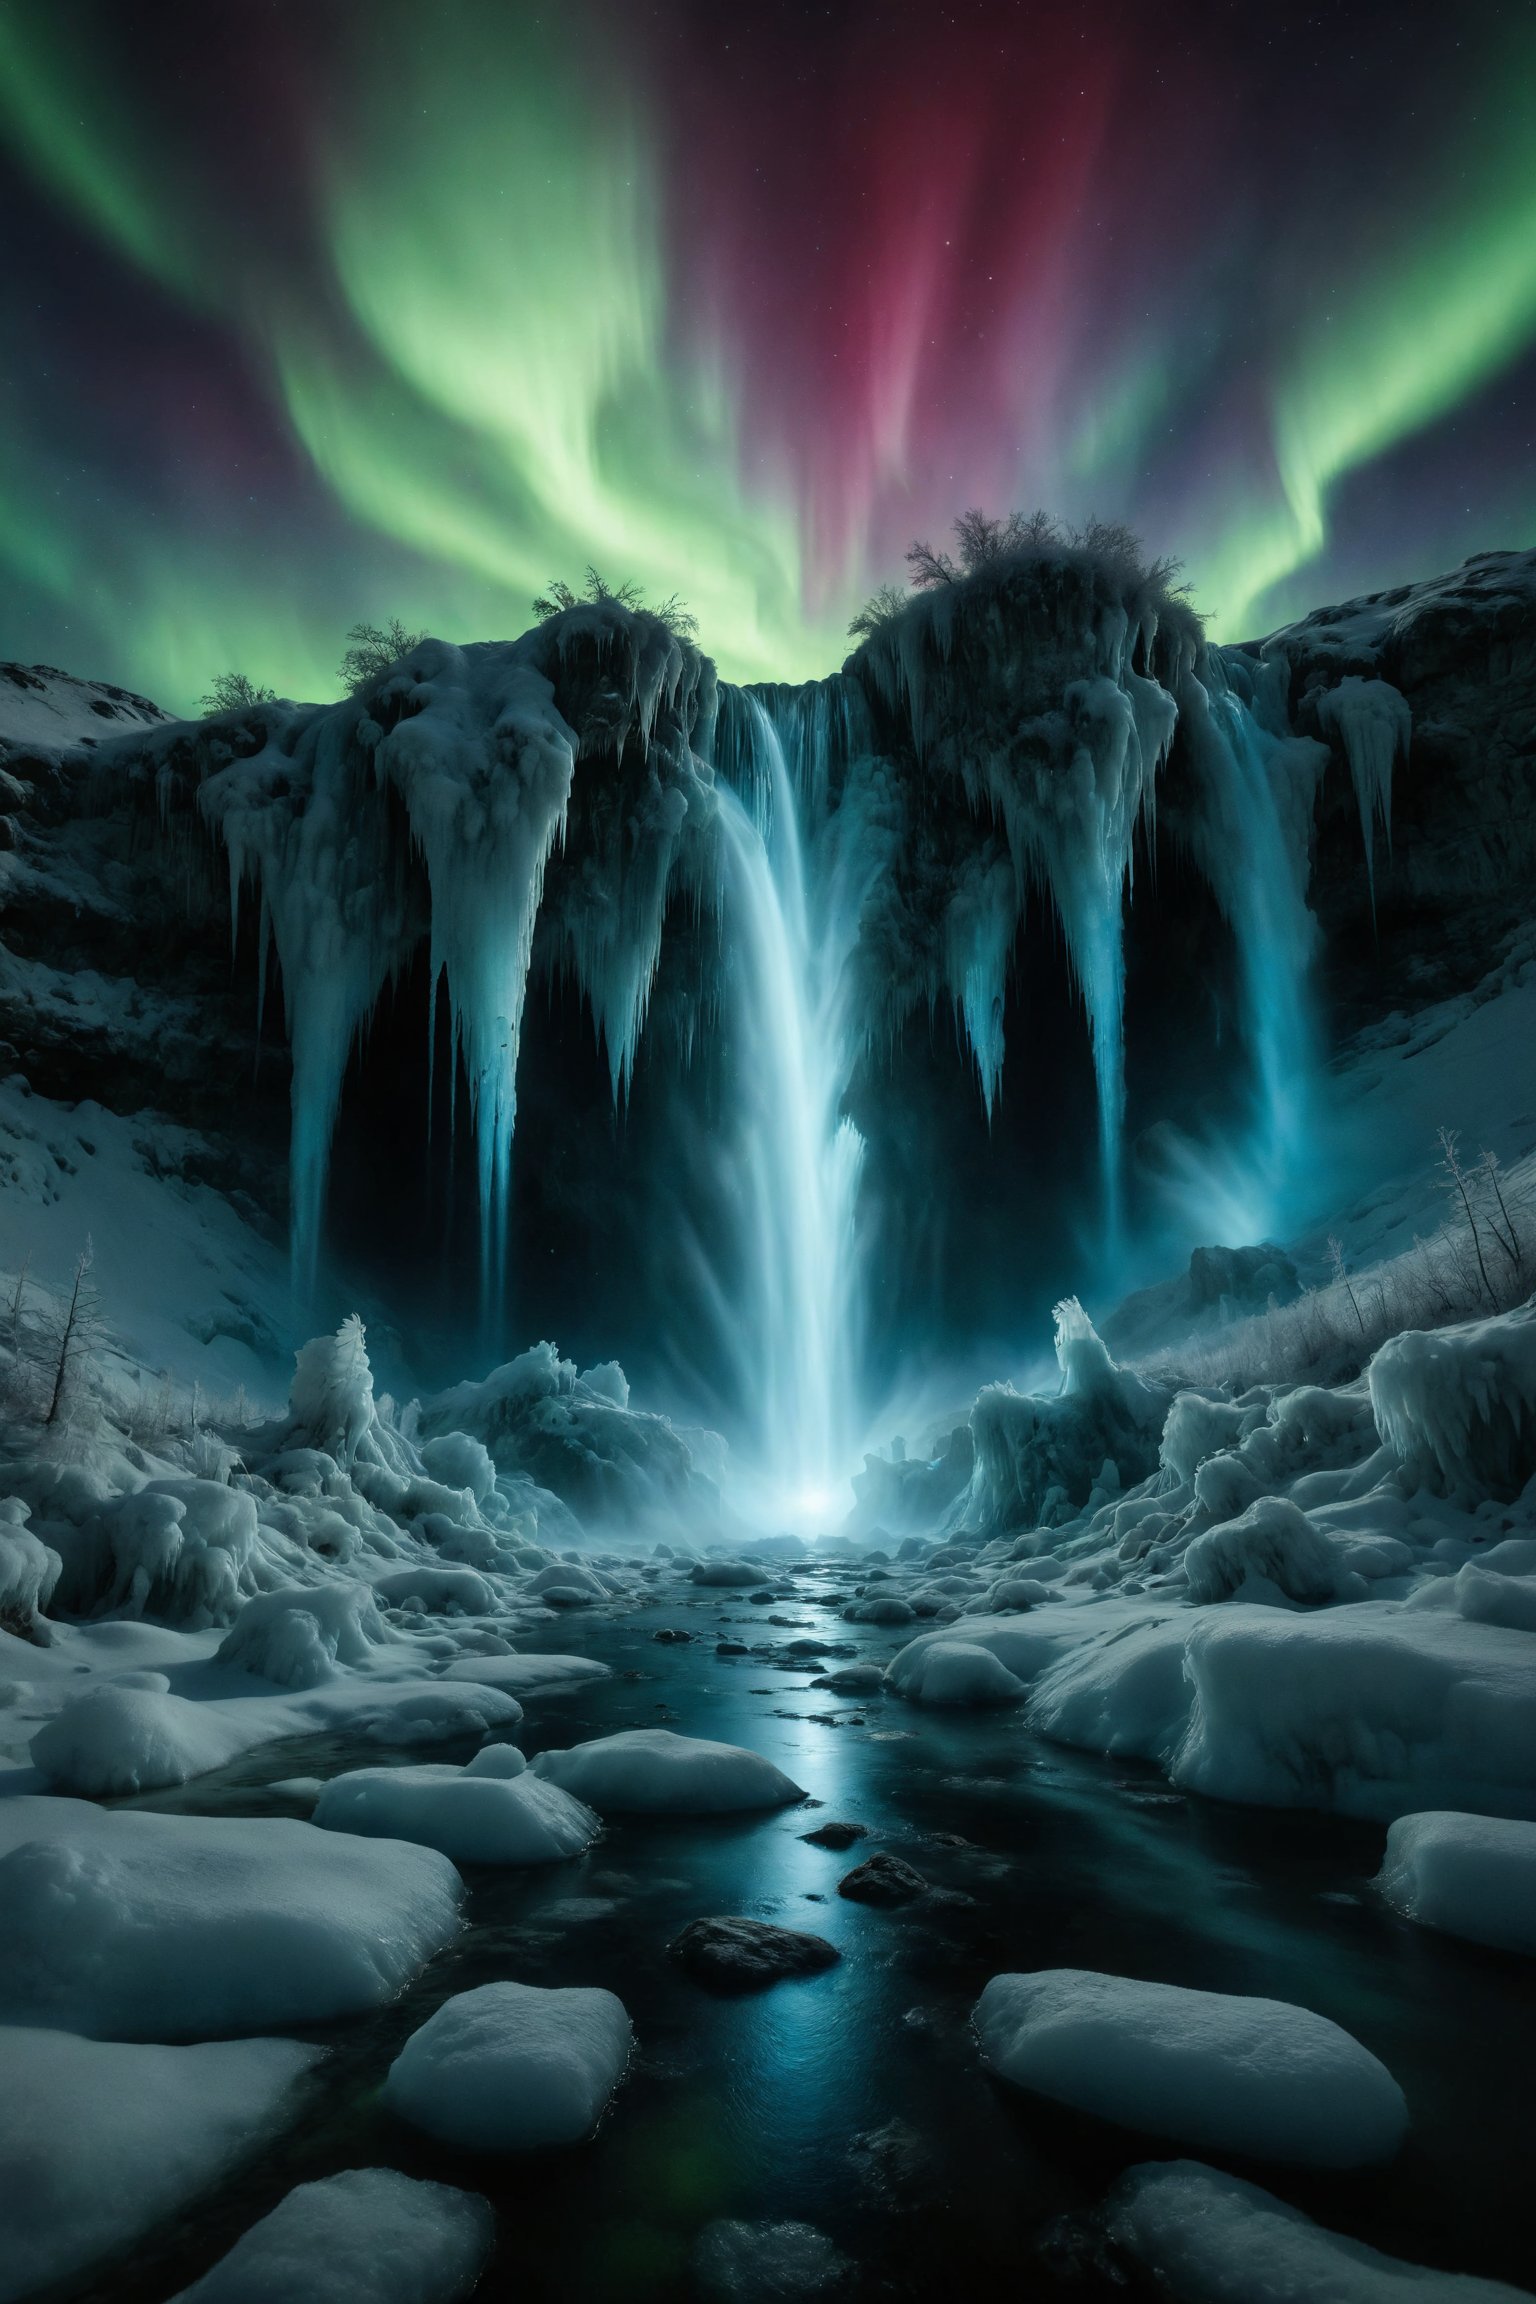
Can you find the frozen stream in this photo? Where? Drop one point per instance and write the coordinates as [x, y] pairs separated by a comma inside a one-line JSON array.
[[855, 2101]]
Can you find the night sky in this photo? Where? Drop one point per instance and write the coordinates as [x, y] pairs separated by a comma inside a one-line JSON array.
[[312, 312]]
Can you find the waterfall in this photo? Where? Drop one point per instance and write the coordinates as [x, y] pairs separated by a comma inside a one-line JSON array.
[[1260, 787], [790, 925]]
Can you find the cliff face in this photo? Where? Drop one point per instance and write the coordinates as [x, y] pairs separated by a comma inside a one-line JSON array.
[[1079, 886]]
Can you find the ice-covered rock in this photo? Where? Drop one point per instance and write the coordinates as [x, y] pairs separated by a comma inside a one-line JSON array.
[[1208, 2238], [1260, 2077], [115, 1740], [99, 2139], [1029, 1446], [1473, 1876], [1457, 1405], [727, 1573], [460, 1462], [441, 1591], [653, 1772], [1270, 1552], [1021, 1645], [367, 2236], [129, 1925], [508, 2067], [29, 1570], [1126, 1693], [179, 1549], [472, 1816], [300, 1634]]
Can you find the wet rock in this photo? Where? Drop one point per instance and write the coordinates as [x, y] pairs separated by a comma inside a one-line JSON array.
[[836, 1835], [736, 2263], [672, 1638], [738, 1955], [732, 1648], [853, 1680], [883, 1880]]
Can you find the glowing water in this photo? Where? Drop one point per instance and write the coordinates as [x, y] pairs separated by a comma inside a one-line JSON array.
[[789, 929]]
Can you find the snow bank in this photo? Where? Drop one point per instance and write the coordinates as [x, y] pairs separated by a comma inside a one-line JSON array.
[[1458, 1405], [508, 2067], [368, 2236], [1021, 1645], [116, 1740], [1207, 2238], [99, 2140], [1473, 1876], [1374, 1710], [652, 1772], [1125, 1694], [134, 1926], [470, 1815], [1258, 2077]]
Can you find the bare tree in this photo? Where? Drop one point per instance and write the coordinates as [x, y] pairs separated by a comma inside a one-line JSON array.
[[77, 1334], [1459, 1183], [233, 691], [375, 649]]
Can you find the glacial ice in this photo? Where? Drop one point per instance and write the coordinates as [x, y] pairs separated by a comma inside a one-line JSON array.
[[367, 2236], [100, 2139], [511, 2067], [1213, 2069]]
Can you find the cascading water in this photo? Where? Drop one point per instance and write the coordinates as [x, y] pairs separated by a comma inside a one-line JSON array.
[[1261, 788], [791, 928]]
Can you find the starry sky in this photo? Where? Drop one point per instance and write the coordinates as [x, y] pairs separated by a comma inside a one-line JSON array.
[[314, 311]]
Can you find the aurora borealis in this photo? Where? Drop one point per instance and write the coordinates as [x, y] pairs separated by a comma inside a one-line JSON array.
[[314, 312]]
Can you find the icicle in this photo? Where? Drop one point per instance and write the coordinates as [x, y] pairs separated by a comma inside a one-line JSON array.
[[1375, 725]]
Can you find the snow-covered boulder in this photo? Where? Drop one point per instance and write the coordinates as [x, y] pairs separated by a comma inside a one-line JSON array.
[[509, 2067], [1030, 1447], [299, 1635], [1212, 2069], [177, 1549], [652, 1772], [532, 1675], [1457, 1406], [440, 1591], [471, 1815], [1021, 1644], [367, 2236], [116, 1740], [957, 1672], [100, 2140], [128, 1925], [1208, 2238], [1473, 1876], [1483, 1596], [1270, 1553]]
